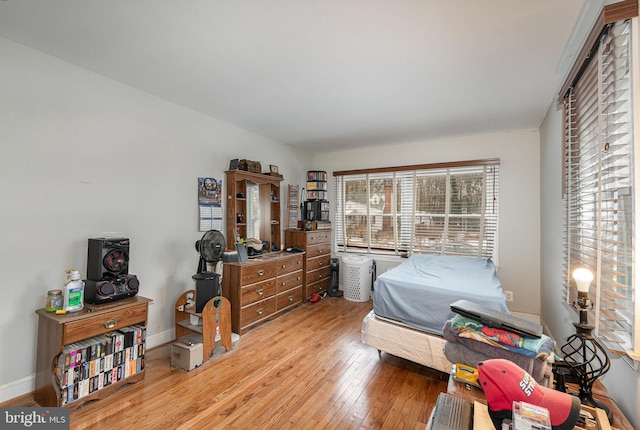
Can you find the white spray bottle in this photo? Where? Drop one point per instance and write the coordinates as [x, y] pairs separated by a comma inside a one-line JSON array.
[[73, 292]]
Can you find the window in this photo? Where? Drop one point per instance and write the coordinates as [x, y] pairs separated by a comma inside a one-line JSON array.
[[449, 208], [600, 192]]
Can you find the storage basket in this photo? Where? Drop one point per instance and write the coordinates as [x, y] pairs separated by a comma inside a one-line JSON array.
[[357, 277]]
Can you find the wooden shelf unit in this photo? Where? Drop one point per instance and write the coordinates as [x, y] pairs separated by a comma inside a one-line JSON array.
[[215, 326], [293, 195], [57, 331], [270, 229]]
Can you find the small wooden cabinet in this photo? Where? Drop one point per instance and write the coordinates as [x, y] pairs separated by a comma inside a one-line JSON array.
[[317, 246], [57, 331], [262, 288], [253, 208]]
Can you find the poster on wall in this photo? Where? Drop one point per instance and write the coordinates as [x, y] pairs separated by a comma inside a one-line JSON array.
[[210, 204]]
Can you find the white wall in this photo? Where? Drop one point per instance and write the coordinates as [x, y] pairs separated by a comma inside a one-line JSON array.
[[519, 210], [622, 382], [82, 156]]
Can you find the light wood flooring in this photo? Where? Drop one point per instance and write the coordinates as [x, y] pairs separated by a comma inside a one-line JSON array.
[[305, 370]]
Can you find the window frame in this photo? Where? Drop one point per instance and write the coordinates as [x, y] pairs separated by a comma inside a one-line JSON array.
[[403, 212], [596, 146]]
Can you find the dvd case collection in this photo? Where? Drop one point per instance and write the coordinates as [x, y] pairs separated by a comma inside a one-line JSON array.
[[92, 364]]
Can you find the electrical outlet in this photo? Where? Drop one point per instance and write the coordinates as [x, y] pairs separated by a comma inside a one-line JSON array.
[[509, 295]]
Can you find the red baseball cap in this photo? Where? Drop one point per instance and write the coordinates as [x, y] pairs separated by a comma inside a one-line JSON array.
[[503, 383]]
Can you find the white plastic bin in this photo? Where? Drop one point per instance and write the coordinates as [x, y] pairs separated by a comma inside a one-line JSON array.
[[357, 271]]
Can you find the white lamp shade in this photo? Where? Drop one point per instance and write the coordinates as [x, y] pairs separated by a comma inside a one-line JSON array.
[[583, 278]]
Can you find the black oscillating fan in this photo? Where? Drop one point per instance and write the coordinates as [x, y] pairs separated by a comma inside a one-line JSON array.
[[211, 247]]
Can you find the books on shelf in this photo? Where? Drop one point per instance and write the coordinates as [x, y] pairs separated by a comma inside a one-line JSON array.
[[92, 364]]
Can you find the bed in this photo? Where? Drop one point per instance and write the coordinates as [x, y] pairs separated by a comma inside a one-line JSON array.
[[411, 304]]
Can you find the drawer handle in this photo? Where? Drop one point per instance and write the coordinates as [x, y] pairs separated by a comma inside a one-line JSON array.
[[290, 298], [284, 283], [260, 291], [260, 272], [109, 324], [319, 263], [320, 251], [260, 311], [284, 266]]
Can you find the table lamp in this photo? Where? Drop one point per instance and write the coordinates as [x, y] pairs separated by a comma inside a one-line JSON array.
[[585, 355]]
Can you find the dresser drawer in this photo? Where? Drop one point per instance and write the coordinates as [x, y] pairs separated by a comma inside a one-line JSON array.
[[257, 311], [318, 263], [318, 250], [290, 264], [104, 322], [254, 292], [317, 287], [258, 272], [318, 236], [289, 298], [289, 281], [317, 275]]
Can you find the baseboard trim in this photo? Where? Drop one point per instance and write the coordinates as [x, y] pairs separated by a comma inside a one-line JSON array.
[[17, 388]]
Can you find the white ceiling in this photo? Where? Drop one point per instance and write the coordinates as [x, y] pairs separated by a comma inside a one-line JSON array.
[[325, 74]]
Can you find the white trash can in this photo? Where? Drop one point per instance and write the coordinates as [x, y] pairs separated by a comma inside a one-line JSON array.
[[357, 271]]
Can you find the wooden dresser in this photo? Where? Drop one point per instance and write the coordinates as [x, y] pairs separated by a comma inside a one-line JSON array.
[[317, 246], [262, 288]]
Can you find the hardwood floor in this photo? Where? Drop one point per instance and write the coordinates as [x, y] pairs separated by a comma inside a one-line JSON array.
[[304, 370]]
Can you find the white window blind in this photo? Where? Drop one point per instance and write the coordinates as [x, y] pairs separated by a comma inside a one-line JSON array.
[[436, 209], [599, 187]]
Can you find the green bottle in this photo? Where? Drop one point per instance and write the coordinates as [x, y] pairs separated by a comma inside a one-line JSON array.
[[73, 292]]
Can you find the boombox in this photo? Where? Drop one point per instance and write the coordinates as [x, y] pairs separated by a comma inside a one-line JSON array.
[[108, 275], [97, 292]]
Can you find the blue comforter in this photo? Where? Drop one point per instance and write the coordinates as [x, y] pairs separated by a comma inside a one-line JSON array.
[[419, 291]]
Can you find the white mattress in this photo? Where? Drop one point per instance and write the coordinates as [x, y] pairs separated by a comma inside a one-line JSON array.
[[405, 342]]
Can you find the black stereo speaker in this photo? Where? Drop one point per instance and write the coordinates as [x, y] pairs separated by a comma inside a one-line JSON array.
[[107, 259], [97, 292]]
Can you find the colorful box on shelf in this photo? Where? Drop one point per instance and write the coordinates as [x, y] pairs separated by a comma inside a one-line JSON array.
[[316, 185], [317, 195], [316, 175]]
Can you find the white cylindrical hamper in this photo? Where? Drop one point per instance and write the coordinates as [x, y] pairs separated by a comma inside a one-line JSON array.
[[357, 277]]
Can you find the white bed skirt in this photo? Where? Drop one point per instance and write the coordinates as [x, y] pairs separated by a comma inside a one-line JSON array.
[[402, 341]]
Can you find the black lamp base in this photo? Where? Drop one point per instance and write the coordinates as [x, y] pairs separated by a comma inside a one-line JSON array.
[[588, 360], [590, 401]]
